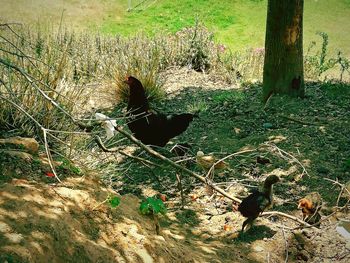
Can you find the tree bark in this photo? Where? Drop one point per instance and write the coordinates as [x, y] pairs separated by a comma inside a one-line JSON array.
[[283, 64]]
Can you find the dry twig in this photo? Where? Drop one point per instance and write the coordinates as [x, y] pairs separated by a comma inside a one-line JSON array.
[[285, 244], [343, 188], [44, 130], [277, 213], [178, 177], [177, 166], [287, 155]]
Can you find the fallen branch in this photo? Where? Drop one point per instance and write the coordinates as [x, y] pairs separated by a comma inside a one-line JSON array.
[[142, 160], [104, 148], [101, 203], [48, 153], [300, 121], [277, 213], [117, 149], [179, 184], [285, 245], [177, 166]]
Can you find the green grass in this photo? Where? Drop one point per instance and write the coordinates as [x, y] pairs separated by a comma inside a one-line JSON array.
[[238, 24], [234, 22], [322, 146]]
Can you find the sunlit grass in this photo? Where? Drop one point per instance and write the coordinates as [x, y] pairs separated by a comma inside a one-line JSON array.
[[237, 24], [227, 19]]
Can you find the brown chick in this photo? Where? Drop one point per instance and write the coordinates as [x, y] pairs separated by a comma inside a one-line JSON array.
[[310, 206], [207, 161]]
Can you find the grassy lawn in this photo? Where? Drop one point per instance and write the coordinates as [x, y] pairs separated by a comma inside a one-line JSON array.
[[233, 22], [238, 24]]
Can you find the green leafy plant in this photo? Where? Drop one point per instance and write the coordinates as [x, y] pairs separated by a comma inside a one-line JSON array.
[[324, 63], [319, 63], [153, 206], [344, 64], [229, 96], [113, 201]]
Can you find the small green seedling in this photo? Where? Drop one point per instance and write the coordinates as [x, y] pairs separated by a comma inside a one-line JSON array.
[[153, 206], [114, 201]]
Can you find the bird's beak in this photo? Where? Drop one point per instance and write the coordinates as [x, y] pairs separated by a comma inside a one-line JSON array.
[[126, 80], [299, 204]]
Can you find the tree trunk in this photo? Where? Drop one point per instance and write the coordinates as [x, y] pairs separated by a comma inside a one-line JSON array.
[[283, 65]]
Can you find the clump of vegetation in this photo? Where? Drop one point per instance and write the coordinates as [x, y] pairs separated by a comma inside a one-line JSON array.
[[318, 62], [344, 65], [35, 82], [67, 165], [144, 57], [114, 201], [45, 75], [196, 55], [153, 206]]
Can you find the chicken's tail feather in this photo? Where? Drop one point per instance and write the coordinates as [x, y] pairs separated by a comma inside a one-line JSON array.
[[177, 124]]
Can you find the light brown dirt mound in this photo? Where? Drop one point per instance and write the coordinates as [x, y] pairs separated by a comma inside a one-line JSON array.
[[68, 223], [43, 223]]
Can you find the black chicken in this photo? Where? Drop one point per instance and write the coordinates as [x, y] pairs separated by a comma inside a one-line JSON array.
[[149, 127], [258, 201]]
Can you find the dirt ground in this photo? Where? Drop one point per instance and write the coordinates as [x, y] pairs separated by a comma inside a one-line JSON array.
[[65, 223], [42, 221]]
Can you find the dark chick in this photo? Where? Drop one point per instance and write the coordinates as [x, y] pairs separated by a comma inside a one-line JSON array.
[[150, 127], [258, 201]]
